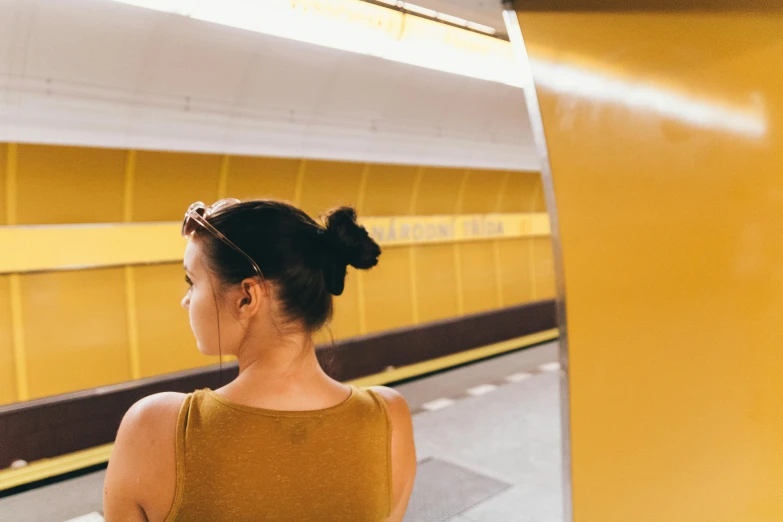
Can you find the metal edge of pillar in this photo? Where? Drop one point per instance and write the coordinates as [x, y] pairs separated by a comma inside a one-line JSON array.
[[537, 125]]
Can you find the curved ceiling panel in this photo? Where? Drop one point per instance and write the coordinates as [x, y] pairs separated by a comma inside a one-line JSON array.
[[92, 72]]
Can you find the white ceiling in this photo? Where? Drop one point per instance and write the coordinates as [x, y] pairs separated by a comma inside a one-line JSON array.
[[100, 73]]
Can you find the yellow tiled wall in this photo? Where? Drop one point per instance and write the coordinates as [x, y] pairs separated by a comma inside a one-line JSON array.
[[83, 328]]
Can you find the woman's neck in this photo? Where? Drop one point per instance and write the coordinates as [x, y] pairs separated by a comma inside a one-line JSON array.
[[282, 363]]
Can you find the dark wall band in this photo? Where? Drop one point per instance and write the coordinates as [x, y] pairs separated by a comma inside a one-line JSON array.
[[63, 424]]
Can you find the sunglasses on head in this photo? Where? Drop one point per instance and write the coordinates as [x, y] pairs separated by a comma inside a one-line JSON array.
[[198, 213]]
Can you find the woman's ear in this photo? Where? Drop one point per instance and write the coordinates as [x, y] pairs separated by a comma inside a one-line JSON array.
[[251, 295]]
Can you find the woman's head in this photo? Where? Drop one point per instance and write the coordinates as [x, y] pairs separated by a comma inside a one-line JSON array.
[[302, 262]]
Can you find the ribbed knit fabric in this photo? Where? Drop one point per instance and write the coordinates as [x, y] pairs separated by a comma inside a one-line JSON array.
[[238, 463]]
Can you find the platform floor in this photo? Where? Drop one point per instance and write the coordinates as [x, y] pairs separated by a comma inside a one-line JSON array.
[[487, 439]]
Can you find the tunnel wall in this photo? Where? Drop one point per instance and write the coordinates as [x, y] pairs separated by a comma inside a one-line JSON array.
[[66, 330]]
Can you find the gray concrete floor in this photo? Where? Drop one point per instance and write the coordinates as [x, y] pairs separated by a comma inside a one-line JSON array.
[[510, 433]]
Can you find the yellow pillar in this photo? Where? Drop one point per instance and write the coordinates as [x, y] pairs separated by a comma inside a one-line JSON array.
[[662, 124]]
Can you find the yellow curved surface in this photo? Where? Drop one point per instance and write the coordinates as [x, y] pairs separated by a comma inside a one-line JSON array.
[[665, 132]]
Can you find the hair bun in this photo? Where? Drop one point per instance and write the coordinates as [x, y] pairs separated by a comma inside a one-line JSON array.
[[347, 243]]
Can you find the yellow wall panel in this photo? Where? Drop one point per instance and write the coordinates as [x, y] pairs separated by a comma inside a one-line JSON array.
[[387, 291], [329, 184], [269, 178], [482, 191], [439, 191], [522, 193], [3, 181], [7, 368], [75, 330], [58, 184], [479, 277], [389, 190], [75, 322], [516, 285], [166, 183], [539, 201], [436, 282], [345, 322], [543, 268], [166, 343]]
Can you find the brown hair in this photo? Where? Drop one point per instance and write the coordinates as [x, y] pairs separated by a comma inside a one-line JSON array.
[[306, 261]]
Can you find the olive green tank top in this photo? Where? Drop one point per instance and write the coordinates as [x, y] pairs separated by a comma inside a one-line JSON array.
[[239, 463]]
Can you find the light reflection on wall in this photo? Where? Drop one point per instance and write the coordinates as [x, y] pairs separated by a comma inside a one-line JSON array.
[[584, 81]]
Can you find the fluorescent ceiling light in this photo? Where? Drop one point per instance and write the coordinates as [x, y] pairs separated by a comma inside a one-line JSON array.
[[360, 27], [417, 9], [452, 19], [480, 27]]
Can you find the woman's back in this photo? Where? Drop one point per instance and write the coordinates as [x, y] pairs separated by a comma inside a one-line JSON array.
[[235, 462]]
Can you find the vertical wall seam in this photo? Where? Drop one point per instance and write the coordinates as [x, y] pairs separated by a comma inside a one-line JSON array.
[[457, 248], [502, 192], [361, 302], [531, 249], [130, 181], [133, 325], [362, 189], [496, 243], [17, 327], [225, 164], [530, 242], [412, 249], [299, 188], [498, 274], [15, 281], [131, 317], [414, 289], [458, 269], [10, 185], [415, 191]]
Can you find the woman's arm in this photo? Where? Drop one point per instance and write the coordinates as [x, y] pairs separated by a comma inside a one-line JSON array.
[[141, 478], [403, 451]]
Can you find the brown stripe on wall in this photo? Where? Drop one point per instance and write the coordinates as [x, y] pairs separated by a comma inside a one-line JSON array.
[[62, 424]]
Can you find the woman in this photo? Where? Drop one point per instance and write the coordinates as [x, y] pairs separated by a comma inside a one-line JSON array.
[[283, 441]]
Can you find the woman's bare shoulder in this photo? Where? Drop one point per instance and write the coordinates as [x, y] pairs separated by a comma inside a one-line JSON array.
[[403, 450], [152, 417], [398, 406], [144, 452], [159, 406]]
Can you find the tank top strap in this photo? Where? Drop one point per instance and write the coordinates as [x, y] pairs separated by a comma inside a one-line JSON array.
[[381, 402], [182, 421]]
